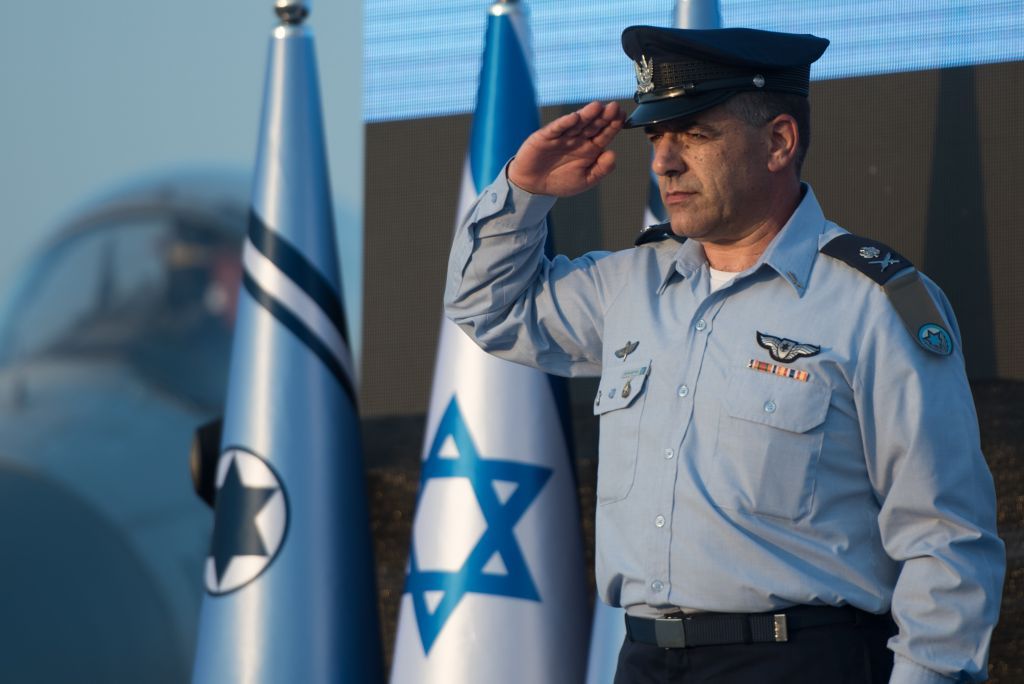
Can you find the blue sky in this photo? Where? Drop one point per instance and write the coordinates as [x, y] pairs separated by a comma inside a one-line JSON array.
[[98, 94]]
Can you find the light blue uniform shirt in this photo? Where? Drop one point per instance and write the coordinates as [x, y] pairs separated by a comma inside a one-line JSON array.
[[725, 488]]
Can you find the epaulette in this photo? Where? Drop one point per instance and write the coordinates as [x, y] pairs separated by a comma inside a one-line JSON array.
[[902, 284], [657, 233]]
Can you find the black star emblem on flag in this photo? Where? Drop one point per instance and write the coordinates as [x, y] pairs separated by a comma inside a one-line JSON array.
[[234, 527]]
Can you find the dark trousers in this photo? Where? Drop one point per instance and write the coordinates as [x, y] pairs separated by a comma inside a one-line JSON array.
[[832, 654]]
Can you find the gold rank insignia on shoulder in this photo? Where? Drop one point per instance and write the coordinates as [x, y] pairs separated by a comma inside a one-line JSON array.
[[644, 75]]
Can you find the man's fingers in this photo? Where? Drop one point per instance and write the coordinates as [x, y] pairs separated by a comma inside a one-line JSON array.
[[606, 126], [604, 137], [590, 111], [562, 125], [604, 165], [575, 123]]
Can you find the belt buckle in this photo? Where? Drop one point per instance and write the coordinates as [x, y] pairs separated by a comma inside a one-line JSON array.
[[669, 632], [780, 627]]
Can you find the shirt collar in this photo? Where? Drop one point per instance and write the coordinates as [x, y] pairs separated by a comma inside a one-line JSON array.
[[791, 253]]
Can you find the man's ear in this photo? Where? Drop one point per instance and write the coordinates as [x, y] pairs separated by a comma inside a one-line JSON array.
[[784, 142]]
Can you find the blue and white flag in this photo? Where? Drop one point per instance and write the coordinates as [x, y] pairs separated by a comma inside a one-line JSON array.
[[290, 578], [495, 590]]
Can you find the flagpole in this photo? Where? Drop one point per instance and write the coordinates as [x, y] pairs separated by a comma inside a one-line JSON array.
[[290, 581]]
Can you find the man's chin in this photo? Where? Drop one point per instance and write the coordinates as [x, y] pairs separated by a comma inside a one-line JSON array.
[[687, 228]]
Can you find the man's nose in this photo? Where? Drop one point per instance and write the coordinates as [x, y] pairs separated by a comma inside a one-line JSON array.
[[667, 161]]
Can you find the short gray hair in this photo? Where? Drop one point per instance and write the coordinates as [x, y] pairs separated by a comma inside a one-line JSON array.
[[756, 108]]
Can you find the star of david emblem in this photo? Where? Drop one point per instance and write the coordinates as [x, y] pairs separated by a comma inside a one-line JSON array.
[[249, 523], [495, 565], [935, 339]]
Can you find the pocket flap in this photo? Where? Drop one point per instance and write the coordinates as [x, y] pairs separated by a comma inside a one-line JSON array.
[[775, 401], [620, 387]]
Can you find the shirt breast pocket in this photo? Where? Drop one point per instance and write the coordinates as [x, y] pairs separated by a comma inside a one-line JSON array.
[[770, 434], [620, 403]]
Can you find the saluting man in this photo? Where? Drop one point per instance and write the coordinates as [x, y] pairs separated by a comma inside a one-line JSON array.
[[790, 485]]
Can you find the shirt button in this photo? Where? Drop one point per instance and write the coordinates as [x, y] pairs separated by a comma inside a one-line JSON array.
[[657, 585], [494, 197], [683, 390], [769, 406], [701, 324], [669, 453], [659, 521]]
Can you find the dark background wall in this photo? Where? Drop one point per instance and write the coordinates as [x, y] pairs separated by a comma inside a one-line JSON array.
[[929, 162]]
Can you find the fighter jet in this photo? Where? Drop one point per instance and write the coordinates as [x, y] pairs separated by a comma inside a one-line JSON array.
[[113, 347]]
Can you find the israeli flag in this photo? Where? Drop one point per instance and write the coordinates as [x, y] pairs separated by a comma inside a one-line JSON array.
[[495, 588], [609, 627], [290, 582]]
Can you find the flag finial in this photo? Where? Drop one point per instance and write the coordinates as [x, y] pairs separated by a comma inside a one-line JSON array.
[[292, 11]]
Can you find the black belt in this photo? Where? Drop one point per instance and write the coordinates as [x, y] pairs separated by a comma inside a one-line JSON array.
[[716, 629]]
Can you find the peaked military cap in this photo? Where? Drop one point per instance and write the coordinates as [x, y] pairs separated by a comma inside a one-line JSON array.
[[684, 71]]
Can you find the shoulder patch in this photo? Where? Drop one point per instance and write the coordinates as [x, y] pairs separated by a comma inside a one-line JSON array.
[[874, 259], [920, 316], [902, 285], [657, 233]]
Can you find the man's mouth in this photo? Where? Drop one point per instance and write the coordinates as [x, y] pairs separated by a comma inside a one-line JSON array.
[[678, 197]]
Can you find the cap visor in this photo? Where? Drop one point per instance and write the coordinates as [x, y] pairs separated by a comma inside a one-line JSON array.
[[658, 111]]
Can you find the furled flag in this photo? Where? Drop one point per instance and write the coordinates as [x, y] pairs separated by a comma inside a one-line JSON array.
[[495, 590], [289, 578], [609, 627]]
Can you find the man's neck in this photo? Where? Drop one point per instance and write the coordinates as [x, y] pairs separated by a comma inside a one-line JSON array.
[[742, 253]]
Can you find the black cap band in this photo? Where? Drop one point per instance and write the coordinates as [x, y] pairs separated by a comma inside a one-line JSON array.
[[674, 79]]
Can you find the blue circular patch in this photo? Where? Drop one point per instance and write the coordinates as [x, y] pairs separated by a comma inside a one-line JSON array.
[[935, 339]]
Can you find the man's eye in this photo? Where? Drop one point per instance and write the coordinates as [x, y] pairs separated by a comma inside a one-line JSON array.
[[696, 135], [653, 137]]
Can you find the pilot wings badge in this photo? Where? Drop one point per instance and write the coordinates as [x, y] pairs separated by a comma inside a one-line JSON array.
[[644, 75], [786, 351]]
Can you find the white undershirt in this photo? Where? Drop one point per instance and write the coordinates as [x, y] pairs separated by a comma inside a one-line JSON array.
[[720, 279]]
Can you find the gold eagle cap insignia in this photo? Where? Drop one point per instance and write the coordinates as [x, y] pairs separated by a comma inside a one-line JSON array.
[[786, 351], [644, 75]]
